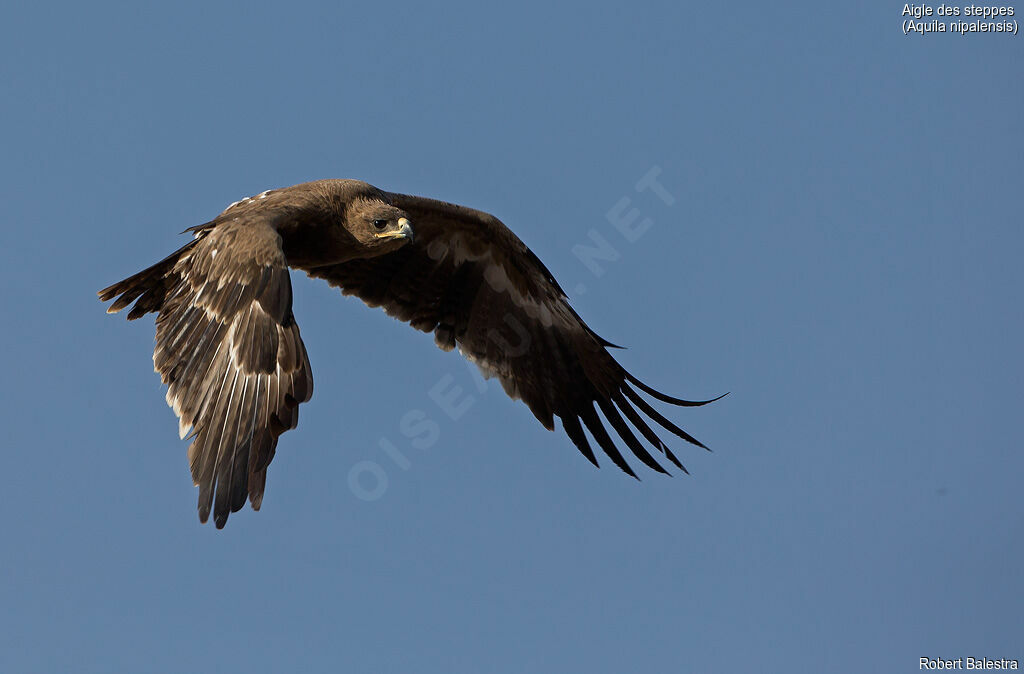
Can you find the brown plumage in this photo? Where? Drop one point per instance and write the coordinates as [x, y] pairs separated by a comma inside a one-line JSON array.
[[229, 349]]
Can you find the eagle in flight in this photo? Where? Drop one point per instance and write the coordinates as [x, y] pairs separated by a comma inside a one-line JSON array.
[[229, 350]]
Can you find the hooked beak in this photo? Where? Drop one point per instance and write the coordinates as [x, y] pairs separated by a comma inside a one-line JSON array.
[[405, 229]]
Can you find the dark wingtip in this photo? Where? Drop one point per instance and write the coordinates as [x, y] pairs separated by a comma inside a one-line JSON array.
[[659, 418], [667, 398], [597, 429], [572, 427], [634, 444], [110, 292], [673, 459]]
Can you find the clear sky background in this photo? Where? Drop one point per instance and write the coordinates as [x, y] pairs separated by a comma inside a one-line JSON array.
[[842, 254]]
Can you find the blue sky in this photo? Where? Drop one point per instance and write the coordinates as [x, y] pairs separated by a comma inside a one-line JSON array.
[[841, 253]]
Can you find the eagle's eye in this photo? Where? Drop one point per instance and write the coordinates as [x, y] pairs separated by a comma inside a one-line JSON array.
[[380, 224]]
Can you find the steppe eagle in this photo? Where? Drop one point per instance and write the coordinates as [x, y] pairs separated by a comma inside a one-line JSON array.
[[228, 347]]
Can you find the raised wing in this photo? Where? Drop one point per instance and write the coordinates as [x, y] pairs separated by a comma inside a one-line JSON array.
[[229, 350], [472, 282]]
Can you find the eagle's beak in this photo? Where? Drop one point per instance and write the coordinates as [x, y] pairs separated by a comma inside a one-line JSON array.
[[405, 229]]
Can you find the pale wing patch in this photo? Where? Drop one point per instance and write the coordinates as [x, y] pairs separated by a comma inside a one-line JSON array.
[[459, 249]]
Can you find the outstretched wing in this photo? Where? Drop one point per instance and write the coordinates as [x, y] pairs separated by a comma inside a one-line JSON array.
[[472, 282], [229, 350]]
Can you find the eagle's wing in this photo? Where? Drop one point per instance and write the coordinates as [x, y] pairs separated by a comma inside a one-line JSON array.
[[229, 350], [472, 282]]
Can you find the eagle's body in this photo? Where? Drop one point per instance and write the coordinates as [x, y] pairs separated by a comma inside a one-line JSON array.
[[229, 349]]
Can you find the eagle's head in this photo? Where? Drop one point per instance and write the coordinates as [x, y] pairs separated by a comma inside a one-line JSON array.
[[378, 226], [333, 221]]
